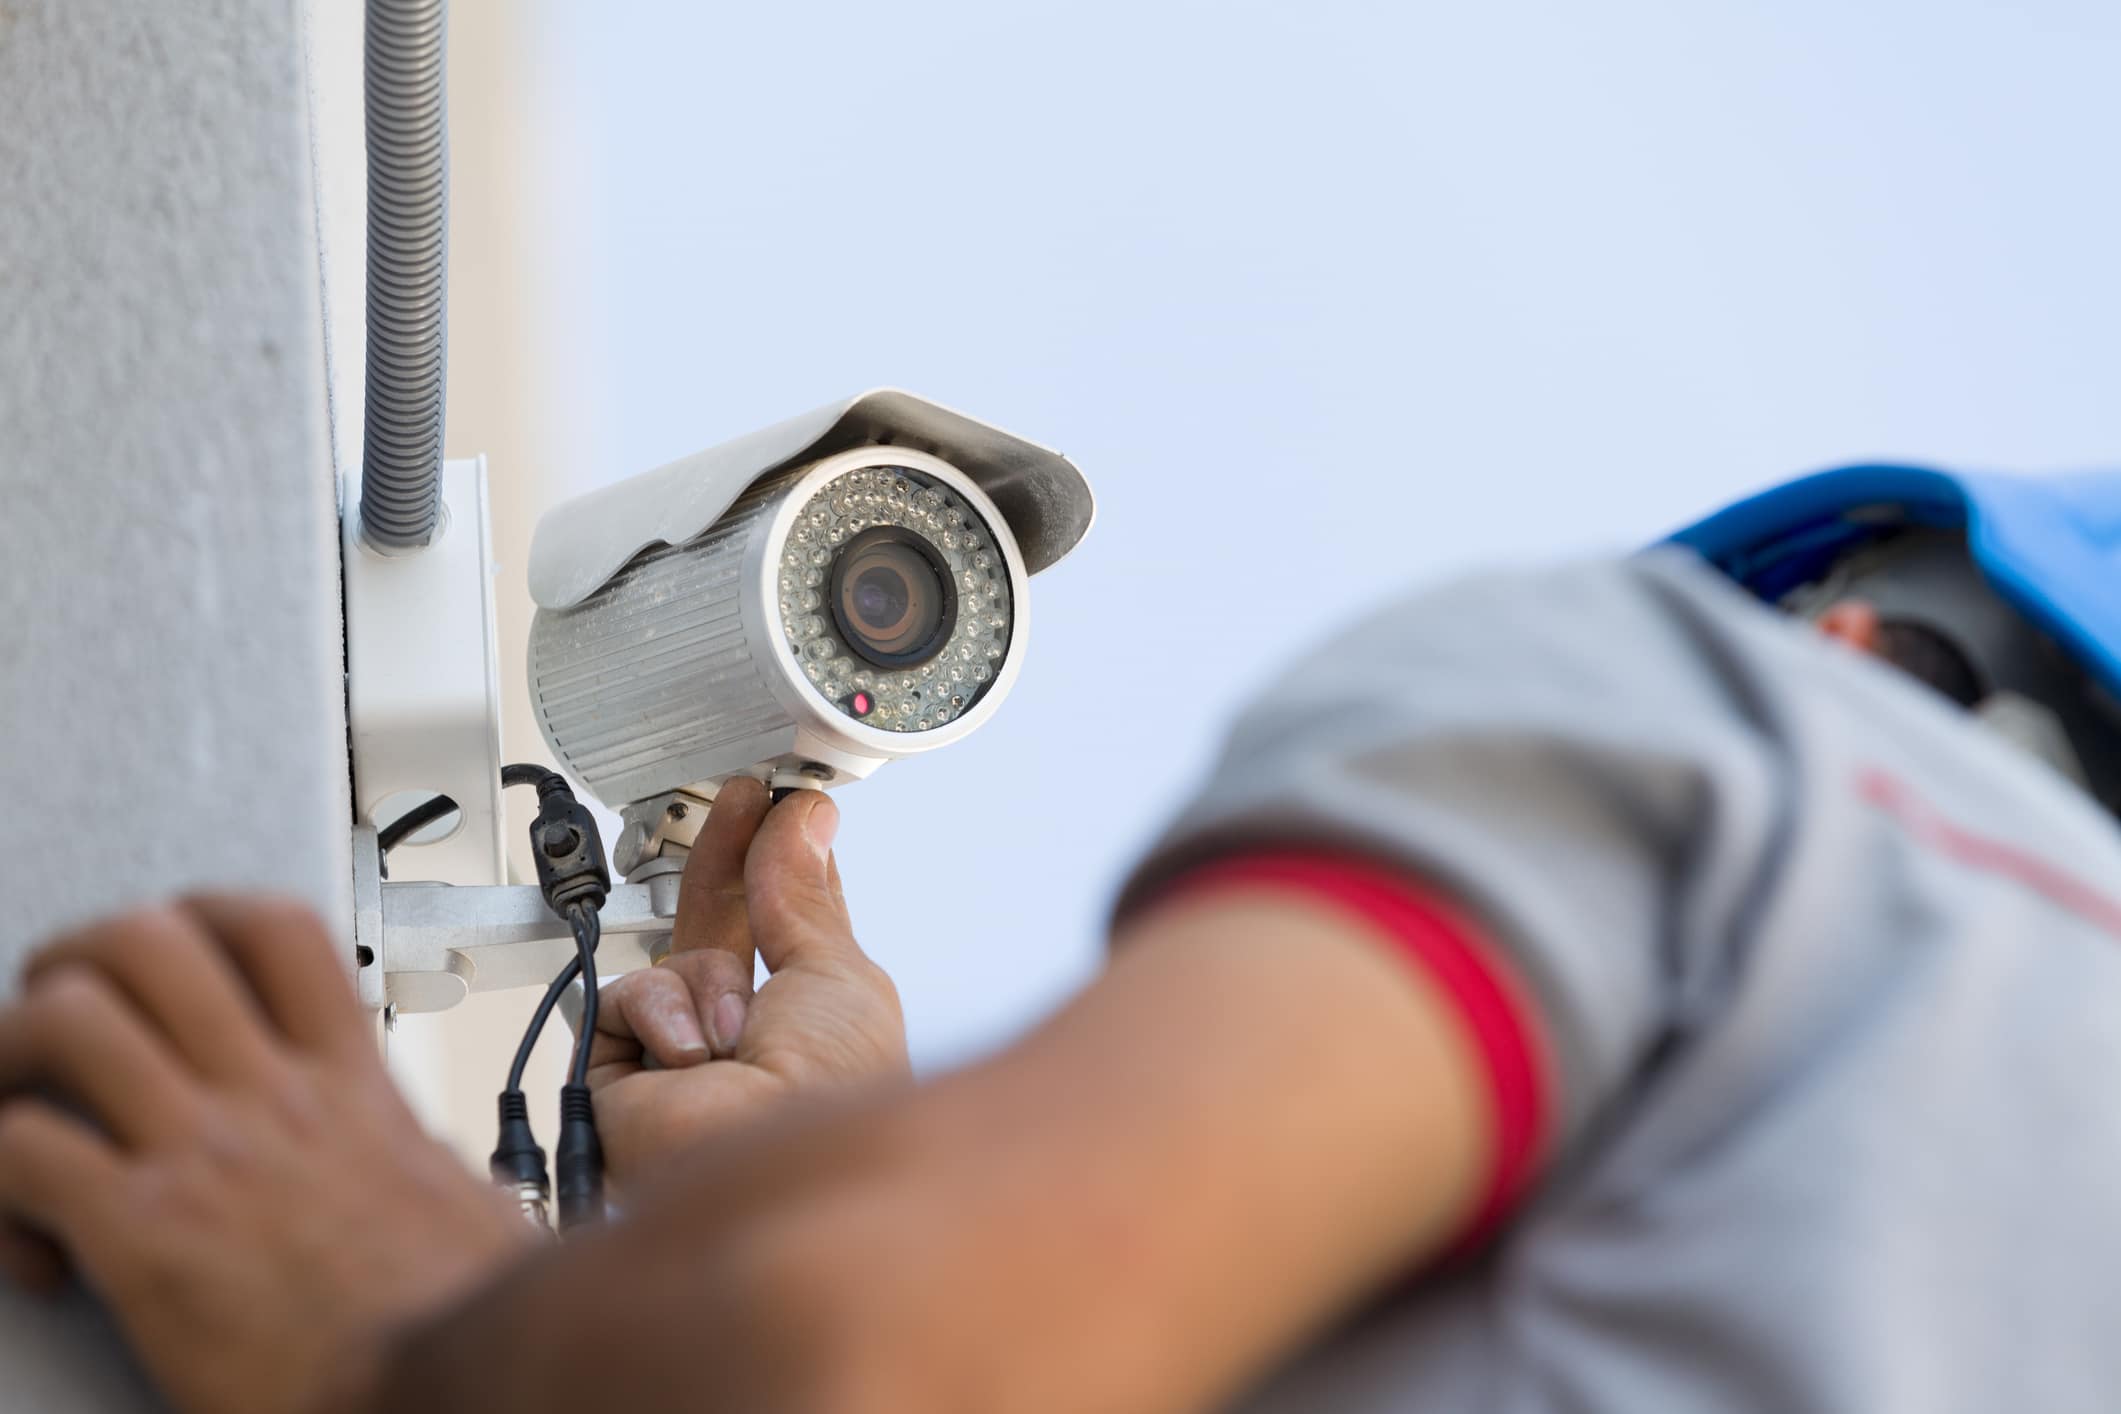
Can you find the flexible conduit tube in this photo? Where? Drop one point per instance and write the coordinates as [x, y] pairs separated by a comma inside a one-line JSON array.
[[408, 260]]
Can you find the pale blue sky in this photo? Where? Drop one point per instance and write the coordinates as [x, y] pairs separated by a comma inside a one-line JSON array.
[[1329, 300]]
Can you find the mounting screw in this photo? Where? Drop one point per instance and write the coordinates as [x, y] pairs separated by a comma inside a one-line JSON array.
[[817, 772], [676, 811]]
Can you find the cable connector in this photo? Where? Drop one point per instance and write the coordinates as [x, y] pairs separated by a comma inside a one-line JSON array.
[[580, 1160], [568, 849], [518, 1163]]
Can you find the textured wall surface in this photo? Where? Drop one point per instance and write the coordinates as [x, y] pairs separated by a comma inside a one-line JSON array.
[[171, 713]]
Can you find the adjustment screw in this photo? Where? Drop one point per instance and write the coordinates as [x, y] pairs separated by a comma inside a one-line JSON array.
[[561, 839], [676, 811]]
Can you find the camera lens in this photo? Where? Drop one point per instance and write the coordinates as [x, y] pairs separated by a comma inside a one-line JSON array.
[[891, 597], [897, 598]]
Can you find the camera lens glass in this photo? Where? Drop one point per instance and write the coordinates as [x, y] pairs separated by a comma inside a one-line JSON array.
[[896, 598], [892, 598]]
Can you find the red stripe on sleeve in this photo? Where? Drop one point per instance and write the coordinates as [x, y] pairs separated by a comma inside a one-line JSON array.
[[1459, 959]]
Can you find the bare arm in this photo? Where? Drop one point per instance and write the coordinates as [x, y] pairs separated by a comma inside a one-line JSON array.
[[1256, 1117], [1260, 1114]]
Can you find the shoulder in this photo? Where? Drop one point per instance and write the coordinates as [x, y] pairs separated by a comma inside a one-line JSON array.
[[1648, 596], [1614, 640]]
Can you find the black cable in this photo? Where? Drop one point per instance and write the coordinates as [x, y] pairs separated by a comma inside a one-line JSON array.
[[588, 931], [546, 1003], [582, 900], [574, 879], [526, 774], [578, 1159], [436, 806], [585, 953], [414, 820]]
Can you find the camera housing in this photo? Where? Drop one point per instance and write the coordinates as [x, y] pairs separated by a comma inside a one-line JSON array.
[[799, 605]]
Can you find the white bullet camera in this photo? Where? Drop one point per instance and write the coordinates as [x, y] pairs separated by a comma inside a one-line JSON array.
[[799, 605]]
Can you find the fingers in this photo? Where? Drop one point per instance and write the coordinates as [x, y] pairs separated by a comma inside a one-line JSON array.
[[711, 910], [218, 975], [651, 1011], [57, 1176], [720, 987], [72, 1030], [293, 967], [797, 915], [710, 943], [167, 968]]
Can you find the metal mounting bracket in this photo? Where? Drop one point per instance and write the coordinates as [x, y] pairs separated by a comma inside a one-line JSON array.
[[423, 706], [426, 947], [423, 697]]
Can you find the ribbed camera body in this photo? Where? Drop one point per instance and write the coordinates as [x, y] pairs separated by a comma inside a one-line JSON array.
[[863, 606]]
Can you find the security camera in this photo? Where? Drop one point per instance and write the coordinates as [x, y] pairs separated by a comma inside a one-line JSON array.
[[799, 605]]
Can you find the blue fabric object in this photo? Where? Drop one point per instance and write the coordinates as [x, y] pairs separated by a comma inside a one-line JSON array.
[[2051, 546]]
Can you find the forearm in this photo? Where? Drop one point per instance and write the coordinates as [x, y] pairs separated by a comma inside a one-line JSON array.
[[690, 1301], [1133, 1209]]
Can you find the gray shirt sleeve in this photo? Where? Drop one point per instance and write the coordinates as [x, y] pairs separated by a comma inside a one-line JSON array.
[[1573, 755]]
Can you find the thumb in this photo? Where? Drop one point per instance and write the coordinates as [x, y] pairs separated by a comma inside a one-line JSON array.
[[797, 916]]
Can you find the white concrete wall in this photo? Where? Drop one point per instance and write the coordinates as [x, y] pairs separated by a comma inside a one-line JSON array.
[[171, 710]]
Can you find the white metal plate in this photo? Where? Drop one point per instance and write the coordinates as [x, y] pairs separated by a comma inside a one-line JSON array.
[[423, 689]]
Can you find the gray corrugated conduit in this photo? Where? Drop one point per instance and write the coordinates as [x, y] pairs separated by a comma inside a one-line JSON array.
[[408, 260]]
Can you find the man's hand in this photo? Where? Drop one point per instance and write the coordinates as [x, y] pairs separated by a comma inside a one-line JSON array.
[[760, 880], [231, 1169]]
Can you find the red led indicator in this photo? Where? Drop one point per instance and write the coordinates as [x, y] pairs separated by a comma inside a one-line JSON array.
[[861, 704]]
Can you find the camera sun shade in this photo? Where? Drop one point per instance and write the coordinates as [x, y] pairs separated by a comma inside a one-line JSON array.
[[680, 638], [582, 543]]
